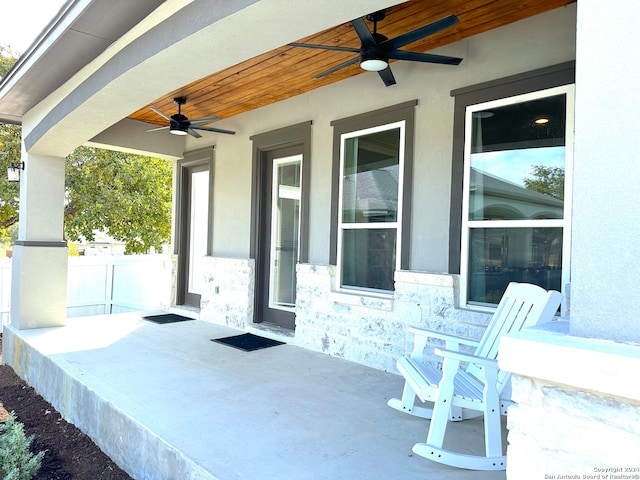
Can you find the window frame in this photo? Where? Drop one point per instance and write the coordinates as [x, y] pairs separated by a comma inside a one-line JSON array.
[[397, 225], [468, 225], [396, 113]]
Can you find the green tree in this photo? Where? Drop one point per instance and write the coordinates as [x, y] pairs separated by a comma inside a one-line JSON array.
[[547, 180], [7, 58], [10, 145], [127, 196]]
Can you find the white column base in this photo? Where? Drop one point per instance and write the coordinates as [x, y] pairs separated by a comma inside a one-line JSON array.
[[39, 284], [577, 409]]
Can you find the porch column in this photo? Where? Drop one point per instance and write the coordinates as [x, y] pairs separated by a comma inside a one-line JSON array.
[[605, 265], [39, 264]]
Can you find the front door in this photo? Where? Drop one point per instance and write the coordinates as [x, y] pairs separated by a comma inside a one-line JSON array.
[[279, 236], [194, 232]]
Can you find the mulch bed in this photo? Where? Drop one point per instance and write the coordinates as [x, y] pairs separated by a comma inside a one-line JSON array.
[[70, 453]]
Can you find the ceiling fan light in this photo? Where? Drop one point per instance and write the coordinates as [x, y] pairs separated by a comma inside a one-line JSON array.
[[374, 65], [178, 129], [373, 61]]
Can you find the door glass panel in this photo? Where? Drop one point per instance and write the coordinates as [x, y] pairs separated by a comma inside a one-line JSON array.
[[198, 229], [518, 161], [285, 225], [498, 256]]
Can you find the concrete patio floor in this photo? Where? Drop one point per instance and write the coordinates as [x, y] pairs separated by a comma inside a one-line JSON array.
[[164, 402]]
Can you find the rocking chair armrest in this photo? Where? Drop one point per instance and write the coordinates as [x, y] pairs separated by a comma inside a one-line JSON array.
[[467, 357], [443, 336]]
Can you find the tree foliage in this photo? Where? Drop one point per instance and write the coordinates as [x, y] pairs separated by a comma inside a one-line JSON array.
[[10, 145], [7, 58], [547, 180], [127, 196]]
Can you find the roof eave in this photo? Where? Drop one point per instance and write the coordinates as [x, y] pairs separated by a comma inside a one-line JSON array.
[[27, 60]]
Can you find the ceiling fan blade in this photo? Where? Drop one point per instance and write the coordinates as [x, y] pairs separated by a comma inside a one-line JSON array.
[[424, 57], [418, 33], [160, 113], [337, 67], [366, 37], [387, 77], [211, 129], [199, 121], [193, 133], [324, 47], [156, 129]]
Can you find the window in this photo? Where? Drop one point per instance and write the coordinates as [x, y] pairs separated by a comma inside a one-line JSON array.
[[516, 197], [370, 206], [371, 197]]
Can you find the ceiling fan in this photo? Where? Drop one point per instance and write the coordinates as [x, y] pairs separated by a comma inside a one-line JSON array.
[[181, 125], [376, 50]]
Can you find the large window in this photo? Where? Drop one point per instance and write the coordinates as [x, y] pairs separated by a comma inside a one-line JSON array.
[[515, 219], [370, 207]]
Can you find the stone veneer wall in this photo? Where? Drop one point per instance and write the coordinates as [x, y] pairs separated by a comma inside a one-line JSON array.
[[227, 298], [373, 330], [366, 329], [578, 406]]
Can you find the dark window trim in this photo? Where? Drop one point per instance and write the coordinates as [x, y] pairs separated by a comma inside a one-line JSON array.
[[401, 112], [298, 134], [520, 84]]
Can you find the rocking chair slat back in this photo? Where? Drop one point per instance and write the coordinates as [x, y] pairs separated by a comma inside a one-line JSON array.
[[522, 306]]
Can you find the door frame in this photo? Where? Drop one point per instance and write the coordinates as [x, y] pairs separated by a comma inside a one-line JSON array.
[[295, 135], [265, 311], [198, 158]]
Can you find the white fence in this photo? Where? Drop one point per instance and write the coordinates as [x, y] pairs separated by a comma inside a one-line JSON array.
[[98, 285]]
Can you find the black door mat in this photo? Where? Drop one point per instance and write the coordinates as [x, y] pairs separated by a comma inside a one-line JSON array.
[[247, 342], [167, 318]]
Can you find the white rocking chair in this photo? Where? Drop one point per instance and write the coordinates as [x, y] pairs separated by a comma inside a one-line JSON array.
[[478, 389]]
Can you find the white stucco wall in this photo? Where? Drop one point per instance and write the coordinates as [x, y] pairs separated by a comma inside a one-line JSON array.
[[605, 261], [537, 42]]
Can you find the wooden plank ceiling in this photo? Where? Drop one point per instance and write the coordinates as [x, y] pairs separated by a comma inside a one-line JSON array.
[[288, 71]]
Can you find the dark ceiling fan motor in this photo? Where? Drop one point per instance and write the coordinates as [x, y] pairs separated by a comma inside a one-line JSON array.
[[179, 124], [374, 58], [376, 49]]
